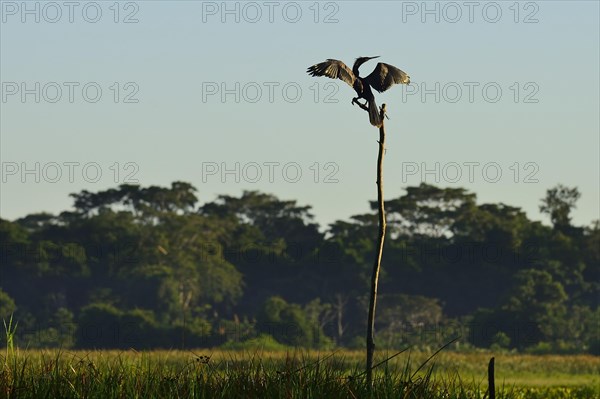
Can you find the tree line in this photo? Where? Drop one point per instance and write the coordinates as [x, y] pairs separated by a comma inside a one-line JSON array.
[[151, 267]]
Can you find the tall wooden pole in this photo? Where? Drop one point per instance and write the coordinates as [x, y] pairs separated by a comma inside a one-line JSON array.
[[377, 263]]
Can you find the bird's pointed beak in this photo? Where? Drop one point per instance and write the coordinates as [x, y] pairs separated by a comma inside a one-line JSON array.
[[373, 57]]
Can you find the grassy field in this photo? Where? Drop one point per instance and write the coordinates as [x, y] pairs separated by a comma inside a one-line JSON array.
[[293, 374]]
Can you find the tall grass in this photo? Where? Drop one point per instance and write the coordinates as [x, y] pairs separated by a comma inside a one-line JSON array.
[[257, 374], [9, 332]]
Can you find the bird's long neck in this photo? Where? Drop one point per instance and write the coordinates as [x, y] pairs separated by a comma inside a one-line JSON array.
[[357, 64]]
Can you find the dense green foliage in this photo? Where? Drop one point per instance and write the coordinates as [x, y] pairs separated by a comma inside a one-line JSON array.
[[151, 268]]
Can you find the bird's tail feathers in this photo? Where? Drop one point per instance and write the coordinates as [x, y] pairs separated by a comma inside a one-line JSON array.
[[374, 114]]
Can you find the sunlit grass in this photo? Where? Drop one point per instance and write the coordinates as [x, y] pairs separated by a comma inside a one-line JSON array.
[[212, 373]]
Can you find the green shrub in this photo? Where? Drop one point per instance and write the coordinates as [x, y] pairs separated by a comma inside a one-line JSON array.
[[262, 342]]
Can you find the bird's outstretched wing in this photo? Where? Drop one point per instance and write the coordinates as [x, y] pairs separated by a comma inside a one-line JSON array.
[[333, 69], [385, 76]]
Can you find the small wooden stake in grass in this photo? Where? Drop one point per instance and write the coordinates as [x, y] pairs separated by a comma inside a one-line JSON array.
[[491, 382], [377, 263]]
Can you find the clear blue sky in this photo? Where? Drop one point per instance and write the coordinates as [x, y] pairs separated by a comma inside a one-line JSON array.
[[179, 56]]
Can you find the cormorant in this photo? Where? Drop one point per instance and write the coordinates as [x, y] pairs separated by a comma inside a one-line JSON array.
[[381, 79]]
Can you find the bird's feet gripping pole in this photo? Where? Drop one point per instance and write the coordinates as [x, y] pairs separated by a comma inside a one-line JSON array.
[[383, 111], [363, 106]]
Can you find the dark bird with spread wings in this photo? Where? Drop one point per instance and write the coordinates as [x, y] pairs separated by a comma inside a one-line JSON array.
[[382, 78]]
